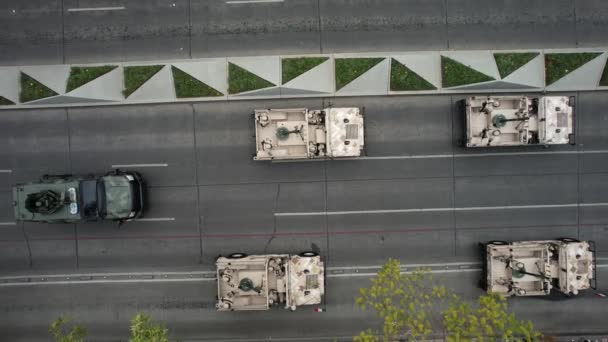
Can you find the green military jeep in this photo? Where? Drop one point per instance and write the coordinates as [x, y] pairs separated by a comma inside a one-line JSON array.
[[117, 196]]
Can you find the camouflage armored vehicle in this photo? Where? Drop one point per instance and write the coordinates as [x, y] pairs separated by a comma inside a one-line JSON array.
[[258, 282], [519, 120], [302, 134], [116, 196], [535, 268]]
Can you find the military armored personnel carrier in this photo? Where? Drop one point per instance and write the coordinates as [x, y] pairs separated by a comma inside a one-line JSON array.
[[116, 196], [290, 134], [258, 282], [535, 268], [519, 120]]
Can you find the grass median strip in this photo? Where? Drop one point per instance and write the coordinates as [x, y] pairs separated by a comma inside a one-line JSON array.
[[403, 78], [241, 80], [5, 102], [348, 69], [80, 76], [558, 65], [294, 67], [507, 63], [188, 86], [604, 80], [136, 76], [456, 74], [32, 89]]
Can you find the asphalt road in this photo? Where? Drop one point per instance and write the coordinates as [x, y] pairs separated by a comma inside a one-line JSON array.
[[207, 196], [81, 31]]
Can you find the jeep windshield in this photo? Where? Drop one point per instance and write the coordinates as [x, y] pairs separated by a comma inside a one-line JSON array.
[[92, 198]]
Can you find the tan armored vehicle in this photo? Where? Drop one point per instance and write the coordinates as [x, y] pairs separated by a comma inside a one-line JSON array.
[[288, 134], [534, 268], [519, 120], [258, 282]]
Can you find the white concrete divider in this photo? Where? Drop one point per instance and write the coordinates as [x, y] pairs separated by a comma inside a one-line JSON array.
[[393, 73]]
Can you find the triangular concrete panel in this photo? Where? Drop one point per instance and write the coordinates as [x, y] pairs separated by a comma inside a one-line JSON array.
[[585, 77], [62, 99], [498, 85], [291, 91], [267, 67], [372, 82], [318, 79], [106, 87], [53, 76], [212, 72], [275, 91], [530, 74], [9, 84], [426, 64], [158, 87], [482, 61]]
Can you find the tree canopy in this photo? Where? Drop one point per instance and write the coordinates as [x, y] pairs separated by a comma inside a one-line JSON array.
[[413, 306], [63, 331], [144, 329]]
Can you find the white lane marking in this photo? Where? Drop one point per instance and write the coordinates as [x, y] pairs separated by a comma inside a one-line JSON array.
[[476, 155], [119, 274], [235, 2], [424, 210], [86, 9], [8, 223], [6, 171], [138, 165], [447, 264], [155, 219], [420, 156], [205, 279], [346, 275], [116, 281]]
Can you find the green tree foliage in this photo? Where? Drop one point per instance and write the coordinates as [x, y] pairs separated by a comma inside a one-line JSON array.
[[413, 306], [144, 329], [63, 331]]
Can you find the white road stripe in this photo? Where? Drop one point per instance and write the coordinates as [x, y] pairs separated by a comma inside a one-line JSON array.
[[155, 219], [20, 280], [138, 165], [119, 274], [478, 155], [447, 264], [8, 223], [6, 171], [85, 9], [372, 274], [116, 281], [424, 210], [235, 2]]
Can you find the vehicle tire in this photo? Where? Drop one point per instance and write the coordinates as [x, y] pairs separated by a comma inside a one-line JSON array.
[[309, 254], [237, 256], [566, 240], [497, 243]]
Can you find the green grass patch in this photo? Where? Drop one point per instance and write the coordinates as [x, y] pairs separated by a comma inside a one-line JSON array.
[[604, 80], [509, 62], [136, 76], [558, 65], [32, 90], [294, 67], [5, 102], [403, 78], [188, 86], [83, 75], [348, 69], [241, 80], [456, 74]]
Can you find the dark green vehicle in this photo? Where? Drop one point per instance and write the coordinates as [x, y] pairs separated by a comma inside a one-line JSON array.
[[117, 196]]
